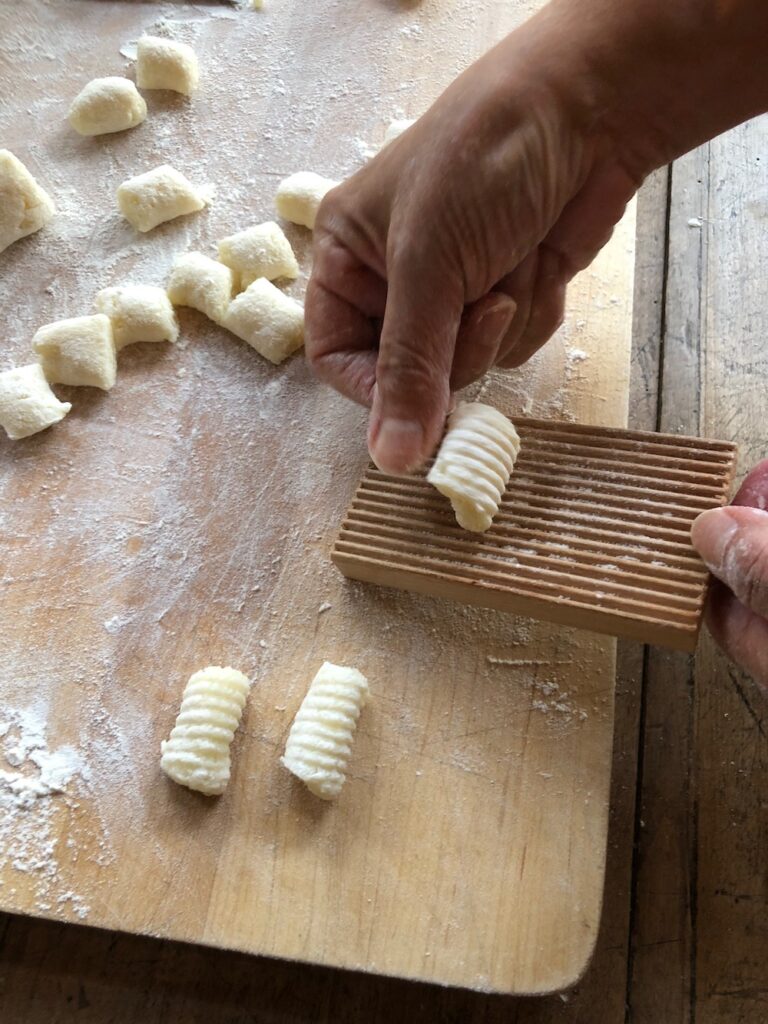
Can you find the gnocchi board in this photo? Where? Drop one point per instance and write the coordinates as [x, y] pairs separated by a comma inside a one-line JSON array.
[[187, 517]]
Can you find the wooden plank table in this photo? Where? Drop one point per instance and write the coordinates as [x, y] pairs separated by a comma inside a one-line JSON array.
[[684, 929]]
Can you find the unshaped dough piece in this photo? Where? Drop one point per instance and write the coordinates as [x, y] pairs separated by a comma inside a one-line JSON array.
[[200, 282], [299, 196], [260, 251], [159, 195], [24, 206], [79, 351], [107, 105], [474, 463], [197, 753], [27, 404], [396, 128], [269, 321], [166, 64], [139, 312], [319, 744]]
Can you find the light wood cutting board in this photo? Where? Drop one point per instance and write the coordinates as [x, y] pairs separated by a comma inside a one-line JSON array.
[[186, 519]]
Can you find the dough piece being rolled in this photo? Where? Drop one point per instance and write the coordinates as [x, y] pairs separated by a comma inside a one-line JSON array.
[[260, 251], [299, 196], [27, 404], [166, 64], [396, 128], [24, 206], [139, 312], [474, 463], [107, 105], [197, 753], [159, 195], [319, 744], [269, 321], [200, 282], [79, 351]]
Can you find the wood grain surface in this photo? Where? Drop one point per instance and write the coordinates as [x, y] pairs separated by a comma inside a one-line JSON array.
[[186, 519]]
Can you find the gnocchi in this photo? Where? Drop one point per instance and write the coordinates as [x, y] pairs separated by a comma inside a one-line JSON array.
[[200, 282], [299, 196], [166, 64], [107, 105], [474, 463], [396, 128], [319, 744], [269, 321], [159, 195], [260, 251], [196, 754], [24, 206], [27, 404], [79, 351], [138, 312]]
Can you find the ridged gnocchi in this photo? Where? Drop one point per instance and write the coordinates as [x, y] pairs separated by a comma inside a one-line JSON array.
[[474, 463]]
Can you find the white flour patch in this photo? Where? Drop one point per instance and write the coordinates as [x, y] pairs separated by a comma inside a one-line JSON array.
[[38, 786]]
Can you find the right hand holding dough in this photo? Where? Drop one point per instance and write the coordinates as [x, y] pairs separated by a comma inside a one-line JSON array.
[[451, 250]]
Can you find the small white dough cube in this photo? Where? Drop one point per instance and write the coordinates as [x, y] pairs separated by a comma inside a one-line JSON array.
[[24, 206], [269, 321], [27, 404], [260, 251], [299, 196], [200, 282], [78, 351], [157, 196], [107, 105], [396, 128], [139, 312], [166, 64]]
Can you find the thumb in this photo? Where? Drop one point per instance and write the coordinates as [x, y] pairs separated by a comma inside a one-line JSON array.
[[733, 542], [413, 368]]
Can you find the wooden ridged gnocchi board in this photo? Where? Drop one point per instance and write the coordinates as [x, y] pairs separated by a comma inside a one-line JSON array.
[[187, 518], [593, 531]]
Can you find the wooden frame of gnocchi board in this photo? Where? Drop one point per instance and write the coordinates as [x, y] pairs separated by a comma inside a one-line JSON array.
[[593, 532]]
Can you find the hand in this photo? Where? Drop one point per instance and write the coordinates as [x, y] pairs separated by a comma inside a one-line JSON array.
[[733, 542], [450, 251]]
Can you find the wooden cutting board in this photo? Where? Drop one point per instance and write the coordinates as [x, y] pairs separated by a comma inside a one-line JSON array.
[[186, 519]]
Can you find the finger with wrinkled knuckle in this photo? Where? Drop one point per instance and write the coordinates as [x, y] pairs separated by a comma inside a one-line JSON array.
[[410, 374]]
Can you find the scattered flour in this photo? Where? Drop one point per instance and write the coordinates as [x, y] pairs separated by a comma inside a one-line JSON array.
[[37, 784]]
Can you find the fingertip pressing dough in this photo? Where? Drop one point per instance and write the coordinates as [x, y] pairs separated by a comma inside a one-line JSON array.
[[27, 404], [271, 322], [319, 744], [196, 755], [260, 251], [474, 463], [107, 105], [159, 195], [138, 312], [166, 64], [299, 196], [24, 206], [396, 128], [79, 351], [202, 283]]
